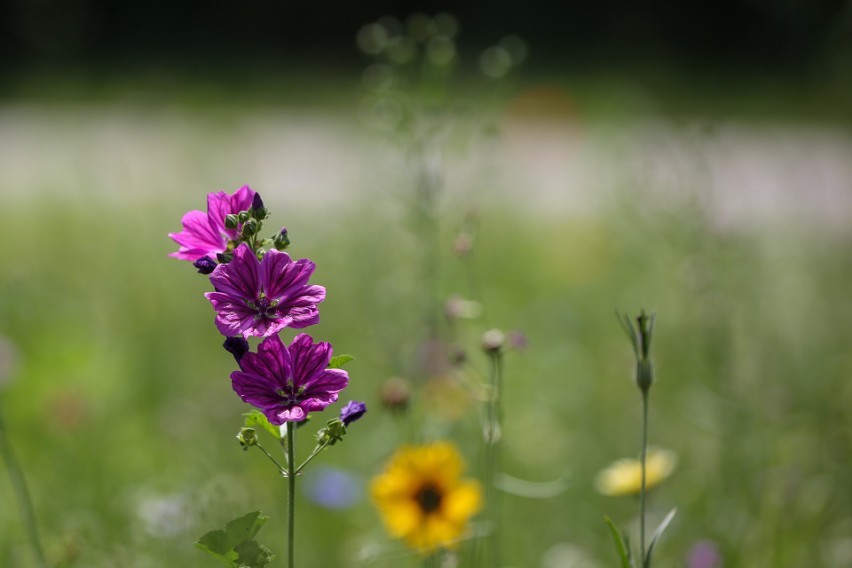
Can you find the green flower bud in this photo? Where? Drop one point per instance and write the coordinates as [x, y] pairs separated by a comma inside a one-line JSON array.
[[231, 221], [281, 240], [250, 227], [244, 216], [332, 433], [247, 437]]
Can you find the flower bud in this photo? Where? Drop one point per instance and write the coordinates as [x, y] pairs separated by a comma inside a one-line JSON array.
[[205, 265], [236, 346], [332, 433], [250, 227], [352, 412], [492, 341], [395, 393], [258, 211], [231, 221], [281, 240], [247, 437], [224, 257], [243, 216]]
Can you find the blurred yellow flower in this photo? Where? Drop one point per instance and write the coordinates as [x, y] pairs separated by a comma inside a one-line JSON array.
[[421, 498], [624, 477]]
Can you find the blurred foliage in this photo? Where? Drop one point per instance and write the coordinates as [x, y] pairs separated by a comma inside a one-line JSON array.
[[122, 413]]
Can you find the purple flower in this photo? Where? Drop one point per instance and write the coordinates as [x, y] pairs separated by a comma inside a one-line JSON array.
[[704, 554], [288, 383], [352, 412], [204, 234], [262, 298]]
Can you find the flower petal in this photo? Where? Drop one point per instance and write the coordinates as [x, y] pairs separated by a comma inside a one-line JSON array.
[[240, 277], [197, 239]]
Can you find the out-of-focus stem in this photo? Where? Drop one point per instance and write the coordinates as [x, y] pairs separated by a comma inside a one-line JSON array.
[[642, 489], [22, 494]]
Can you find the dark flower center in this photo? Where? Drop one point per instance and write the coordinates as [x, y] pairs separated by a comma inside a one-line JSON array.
[[291, 395], [428, 498]]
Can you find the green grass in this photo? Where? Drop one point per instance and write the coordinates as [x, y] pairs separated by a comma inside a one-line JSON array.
[[121, 395]]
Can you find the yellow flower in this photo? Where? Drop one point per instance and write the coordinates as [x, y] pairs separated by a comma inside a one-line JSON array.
[[624, 477], [421, 498]]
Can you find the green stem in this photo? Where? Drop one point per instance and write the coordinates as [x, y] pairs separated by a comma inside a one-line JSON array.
[[642, 489], [492, 462], [280, 467], [314, 454], [19, 488], [291, 494]]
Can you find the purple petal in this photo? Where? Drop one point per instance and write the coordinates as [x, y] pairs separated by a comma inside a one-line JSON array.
[[281, 277], [282, 415], [240, 277], [309, 359], [220, 205], [297, 318], [327, 381], [255, 389], [197, 238], [233, 317], [272, 361]]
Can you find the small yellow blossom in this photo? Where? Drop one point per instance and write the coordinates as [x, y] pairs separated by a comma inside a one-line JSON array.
[[624, 477], [421, 498]]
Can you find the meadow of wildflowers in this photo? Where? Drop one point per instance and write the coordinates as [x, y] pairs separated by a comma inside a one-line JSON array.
[[504, 416]]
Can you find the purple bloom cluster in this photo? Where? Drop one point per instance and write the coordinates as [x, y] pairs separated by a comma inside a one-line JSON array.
[[259, 293]]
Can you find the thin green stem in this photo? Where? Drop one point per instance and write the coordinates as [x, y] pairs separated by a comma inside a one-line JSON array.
[[492, 462], [642, 489], [280, 467], [314, 454], [22, 494], [291, 494]]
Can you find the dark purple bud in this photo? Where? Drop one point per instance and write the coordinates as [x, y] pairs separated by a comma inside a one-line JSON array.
[[205, 265], [257, 202], [352, 412], [236, 346]]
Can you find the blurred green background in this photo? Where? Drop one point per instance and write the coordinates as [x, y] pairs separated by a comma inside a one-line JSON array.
[[611, 156]]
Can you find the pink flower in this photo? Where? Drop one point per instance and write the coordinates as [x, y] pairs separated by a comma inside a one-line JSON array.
[[262, 298], [287, 383], [204, 234]]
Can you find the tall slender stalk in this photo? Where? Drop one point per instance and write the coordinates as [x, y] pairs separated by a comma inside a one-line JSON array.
[[22, 494], [291, 495], [642, 489]]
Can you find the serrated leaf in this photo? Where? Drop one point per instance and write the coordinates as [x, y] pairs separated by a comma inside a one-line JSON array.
[[253, 555], [657, 534], [257, 418], [215, 543], [620, 547], [339, 360]]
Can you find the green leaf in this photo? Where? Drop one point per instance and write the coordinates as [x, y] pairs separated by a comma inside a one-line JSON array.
[[253, 555], [339, 360], [215, 544], [235, 546], [620, 547], [657, 534], [244, 528], [257, 418]]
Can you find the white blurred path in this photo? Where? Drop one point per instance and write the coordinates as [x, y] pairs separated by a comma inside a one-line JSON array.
[[740, 172]]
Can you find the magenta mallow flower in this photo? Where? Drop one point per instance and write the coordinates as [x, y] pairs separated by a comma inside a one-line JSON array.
[[287, 383], [204, 234], [262, 298]]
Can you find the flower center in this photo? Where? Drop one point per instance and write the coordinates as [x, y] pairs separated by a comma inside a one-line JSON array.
[[264, 307], [428, 498], [291, 395]]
